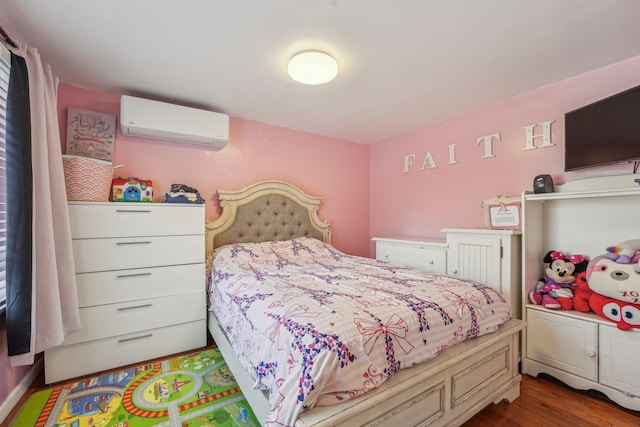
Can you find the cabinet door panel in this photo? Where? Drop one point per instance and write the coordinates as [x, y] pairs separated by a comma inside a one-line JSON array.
[[475, 258], [618, 359], [562, 342]]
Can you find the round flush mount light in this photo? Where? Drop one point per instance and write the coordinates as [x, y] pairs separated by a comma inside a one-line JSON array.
[[312, 67]]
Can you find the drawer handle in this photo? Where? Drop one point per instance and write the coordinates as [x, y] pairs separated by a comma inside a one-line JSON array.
[[122, 276], [134, 243], [135, 338], [431, 261], [134, 307], [132, 211]]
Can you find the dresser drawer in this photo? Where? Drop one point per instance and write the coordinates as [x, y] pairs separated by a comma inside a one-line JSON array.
[[92, 220], [123, 285], [136, 252], [103, 321], [70, 361], [424, 256]]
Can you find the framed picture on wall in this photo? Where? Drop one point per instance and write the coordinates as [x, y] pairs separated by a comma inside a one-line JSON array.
[[91, 134]]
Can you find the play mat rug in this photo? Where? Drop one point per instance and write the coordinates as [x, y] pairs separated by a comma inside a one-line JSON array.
[[187, 391]]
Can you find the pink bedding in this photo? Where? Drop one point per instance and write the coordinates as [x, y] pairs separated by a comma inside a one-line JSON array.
[[316, 326]]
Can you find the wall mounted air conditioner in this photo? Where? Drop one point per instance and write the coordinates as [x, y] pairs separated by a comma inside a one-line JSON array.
[[145, 118]]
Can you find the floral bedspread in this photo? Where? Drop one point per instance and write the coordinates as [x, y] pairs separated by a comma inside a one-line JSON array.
[[316, 326]]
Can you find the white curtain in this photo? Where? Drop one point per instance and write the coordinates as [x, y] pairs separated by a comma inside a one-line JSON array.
[[54, 310]]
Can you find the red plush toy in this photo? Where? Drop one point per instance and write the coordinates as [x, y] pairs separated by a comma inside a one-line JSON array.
[[581, 293]]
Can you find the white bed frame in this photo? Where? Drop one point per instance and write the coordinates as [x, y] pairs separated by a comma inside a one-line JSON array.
[[444, 391]]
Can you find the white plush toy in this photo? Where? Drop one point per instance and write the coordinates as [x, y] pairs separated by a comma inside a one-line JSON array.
[[625, 252]]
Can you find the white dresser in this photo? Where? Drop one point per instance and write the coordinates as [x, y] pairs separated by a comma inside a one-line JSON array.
[[583, 350], [491, 257], [141, 286], [430, 255]]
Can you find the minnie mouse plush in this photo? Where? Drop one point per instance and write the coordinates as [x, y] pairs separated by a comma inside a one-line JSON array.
[[555, 290]]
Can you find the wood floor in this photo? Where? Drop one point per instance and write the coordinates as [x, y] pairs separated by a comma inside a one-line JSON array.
[[546, 402], [543, 402]]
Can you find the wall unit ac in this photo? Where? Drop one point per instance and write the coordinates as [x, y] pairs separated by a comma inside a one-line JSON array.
[[145, 118]]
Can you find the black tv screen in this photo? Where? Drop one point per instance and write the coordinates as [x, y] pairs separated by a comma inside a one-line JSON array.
[[605, 132]]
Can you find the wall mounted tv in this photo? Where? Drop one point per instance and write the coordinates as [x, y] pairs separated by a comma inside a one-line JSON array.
[[602, 133]]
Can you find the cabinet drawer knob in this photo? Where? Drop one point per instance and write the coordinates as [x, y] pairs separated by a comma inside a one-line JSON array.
[[590, 352], [454, 271], [431, 262]]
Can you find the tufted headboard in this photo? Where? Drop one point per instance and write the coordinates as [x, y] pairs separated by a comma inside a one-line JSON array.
[[264, 211]]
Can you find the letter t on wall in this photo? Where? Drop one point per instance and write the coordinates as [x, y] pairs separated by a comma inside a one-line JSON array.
[[488, 146]]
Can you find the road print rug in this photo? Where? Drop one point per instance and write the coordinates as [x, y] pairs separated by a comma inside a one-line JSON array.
[[190, 390]]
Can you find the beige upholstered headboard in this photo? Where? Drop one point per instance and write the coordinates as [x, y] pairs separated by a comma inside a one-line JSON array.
[[264, 211]]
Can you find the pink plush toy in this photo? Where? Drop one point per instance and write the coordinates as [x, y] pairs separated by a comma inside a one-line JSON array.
[[615, 289]]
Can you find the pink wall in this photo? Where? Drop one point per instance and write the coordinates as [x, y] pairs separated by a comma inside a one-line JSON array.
[[11, 377], [334, 169], [422, 202]]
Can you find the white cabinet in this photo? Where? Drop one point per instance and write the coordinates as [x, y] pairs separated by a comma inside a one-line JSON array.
[[618, 362], [491, 257], [141, 286], [563, 342], [583, 350], [430, 255]]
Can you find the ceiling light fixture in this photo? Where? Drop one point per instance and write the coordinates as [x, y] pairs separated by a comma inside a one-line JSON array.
[[312, 67]]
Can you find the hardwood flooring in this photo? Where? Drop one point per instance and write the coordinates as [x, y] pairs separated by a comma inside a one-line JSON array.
[[543, 402], [546, 402]]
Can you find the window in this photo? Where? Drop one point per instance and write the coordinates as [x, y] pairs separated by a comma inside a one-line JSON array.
[[5, 60]]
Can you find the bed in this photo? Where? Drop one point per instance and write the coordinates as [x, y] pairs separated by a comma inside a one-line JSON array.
[[271, 233]]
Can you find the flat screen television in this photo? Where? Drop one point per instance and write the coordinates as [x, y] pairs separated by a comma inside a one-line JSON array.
[[602, 133]]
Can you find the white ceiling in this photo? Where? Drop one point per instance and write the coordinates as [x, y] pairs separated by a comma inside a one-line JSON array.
[[404, 64]]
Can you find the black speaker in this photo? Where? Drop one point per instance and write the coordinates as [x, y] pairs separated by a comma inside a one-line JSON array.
[[543, 184]]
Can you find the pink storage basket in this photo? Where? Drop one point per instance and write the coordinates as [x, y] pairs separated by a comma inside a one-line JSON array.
[[87, 179]]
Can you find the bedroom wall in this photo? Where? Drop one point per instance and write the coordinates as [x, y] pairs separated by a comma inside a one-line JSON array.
[[334, 169], [407, 200]]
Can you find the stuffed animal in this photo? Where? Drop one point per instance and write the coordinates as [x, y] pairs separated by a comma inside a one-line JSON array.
[[581, 293], [616, 289], [625, 315], [555, 290], [624, 252]]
